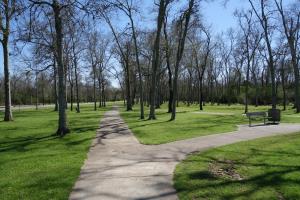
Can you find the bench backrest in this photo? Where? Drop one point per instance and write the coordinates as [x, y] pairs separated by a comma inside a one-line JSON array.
[[254, 114]]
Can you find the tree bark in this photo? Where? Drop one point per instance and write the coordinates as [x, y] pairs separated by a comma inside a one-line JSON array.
[[128, 89], [76, 85], [62, 120], [290, 33], [201, 93], [99, 87], [71, 96], [184, 23], [94, 87], [167, 50], [141, 91], [247, 86], [8, 113], [55, 86], [283, 84], [265, 25], [155, 60], [36, 91]]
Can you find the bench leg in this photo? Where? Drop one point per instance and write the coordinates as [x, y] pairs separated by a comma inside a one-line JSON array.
[[249, 122]]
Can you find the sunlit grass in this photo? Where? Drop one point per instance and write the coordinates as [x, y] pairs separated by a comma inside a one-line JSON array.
[[34, 163], [267, 168], [190, 122]]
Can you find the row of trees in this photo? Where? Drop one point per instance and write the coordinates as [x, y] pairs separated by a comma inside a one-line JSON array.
[[69, 58], [38, 89], [181, 59], [60, 49]]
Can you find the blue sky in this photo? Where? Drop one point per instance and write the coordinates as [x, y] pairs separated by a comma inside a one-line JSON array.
[[221, 17], [214, 13]]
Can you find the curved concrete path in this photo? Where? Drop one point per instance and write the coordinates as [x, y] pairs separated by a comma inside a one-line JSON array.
[[119, 167]]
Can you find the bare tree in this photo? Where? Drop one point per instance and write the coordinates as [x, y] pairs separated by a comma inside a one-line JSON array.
[[252, 40], [8, 10], [57, 8], [183, 25], [264, 22], [163, 4], [92, 54], [128, 8], [76, 47], [291, 27], [124, 58], [168, 63], [202, 59]]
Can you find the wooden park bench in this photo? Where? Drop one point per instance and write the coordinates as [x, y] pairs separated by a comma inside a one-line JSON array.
[[257, 115]]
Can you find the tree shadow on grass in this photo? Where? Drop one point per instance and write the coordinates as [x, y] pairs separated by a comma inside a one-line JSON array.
[[78, 142], [83, 129], [46, 185], [275, 176], [20, 144], [256, 183]]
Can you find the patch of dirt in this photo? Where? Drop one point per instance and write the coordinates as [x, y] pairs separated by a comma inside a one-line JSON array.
[[280, 196], [224, 168]]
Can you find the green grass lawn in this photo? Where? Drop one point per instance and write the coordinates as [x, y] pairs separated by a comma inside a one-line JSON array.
[[191, 123], [35, 164], [267, 168]]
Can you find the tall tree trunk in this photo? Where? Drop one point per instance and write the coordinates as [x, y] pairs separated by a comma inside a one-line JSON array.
[[76, 86], [55, 86], [43, 90], [201, 92], [297, 83], [168, 67], [66, 86], [283, 84], [184, 23], [62, 121], [256, 91], [36, 91], [94, 88], [133, 95], [247, 86], [99, 89], [71, 96], [103, 95], [239, 84], [158, 96], [265, 25], [8, 113], [128, 90], [155, 60], [291, 31], [141, 91]]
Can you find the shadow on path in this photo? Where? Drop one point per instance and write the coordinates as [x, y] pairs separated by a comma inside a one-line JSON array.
[[119, 167]]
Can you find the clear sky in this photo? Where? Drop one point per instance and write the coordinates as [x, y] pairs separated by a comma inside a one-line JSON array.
[[220, 16], [214, 13]]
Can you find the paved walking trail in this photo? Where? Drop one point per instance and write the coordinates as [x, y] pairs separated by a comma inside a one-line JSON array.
[[119, 167]]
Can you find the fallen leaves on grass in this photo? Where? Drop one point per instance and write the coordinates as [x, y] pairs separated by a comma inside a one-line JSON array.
[[224, 168]]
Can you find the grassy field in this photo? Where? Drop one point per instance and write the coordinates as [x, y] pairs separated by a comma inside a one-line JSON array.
[[267, 168], [190, 122], [35, 164]]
